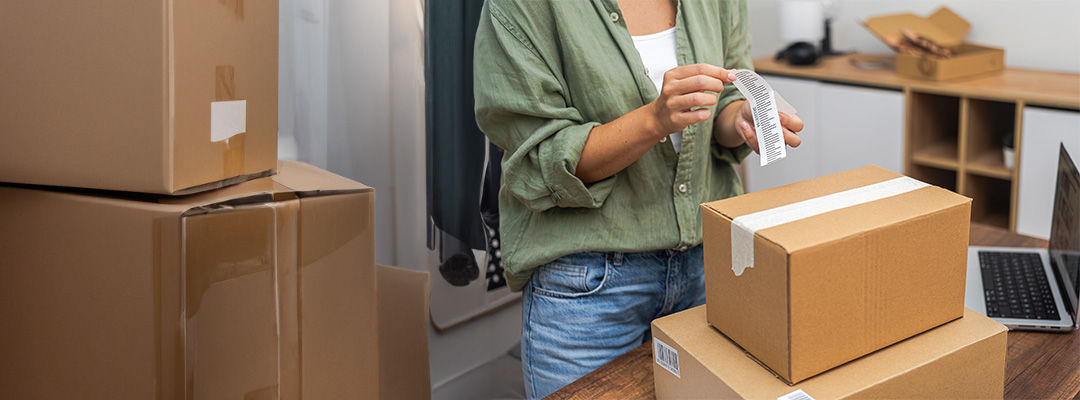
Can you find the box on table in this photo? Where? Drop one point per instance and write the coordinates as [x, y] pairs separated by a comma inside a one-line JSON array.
[[963, 359], [814, 274], [943, 27], [167, 97], [264, 289]]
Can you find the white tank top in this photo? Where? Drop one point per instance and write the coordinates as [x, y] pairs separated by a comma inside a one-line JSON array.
[[658, 54]]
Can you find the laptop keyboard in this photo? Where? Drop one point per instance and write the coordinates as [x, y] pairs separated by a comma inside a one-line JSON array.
[[1015, 286]]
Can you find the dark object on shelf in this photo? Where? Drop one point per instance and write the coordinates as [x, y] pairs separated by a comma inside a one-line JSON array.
[[826, 42], [799, 53]]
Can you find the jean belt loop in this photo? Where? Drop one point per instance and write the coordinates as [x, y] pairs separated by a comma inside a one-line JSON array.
[[616, 258]]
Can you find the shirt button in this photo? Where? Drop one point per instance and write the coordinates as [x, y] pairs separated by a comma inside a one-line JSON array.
[[646, 72], [682, 187], [663, 139], [614, 17]]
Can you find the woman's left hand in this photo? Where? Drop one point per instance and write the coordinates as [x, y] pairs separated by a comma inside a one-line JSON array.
[[744, 124]]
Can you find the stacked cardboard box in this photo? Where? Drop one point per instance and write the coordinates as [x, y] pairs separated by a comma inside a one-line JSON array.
[[805, 278], [164, 97], [264, 289], [148, 249]]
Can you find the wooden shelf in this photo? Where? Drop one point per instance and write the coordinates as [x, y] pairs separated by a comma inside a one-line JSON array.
[[937, 155], [989, 165]]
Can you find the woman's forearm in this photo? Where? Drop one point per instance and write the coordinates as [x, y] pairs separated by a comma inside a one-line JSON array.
[[724, 127], [617, 144]]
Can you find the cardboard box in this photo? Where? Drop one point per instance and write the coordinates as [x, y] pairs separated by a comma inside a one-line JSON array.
[[964, 359], [266, 289], [947, 29], [814, 274], [138, 95], [404, 308]]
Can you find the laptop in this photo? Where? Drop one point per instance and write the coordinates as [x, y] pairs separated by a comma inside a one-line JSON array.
[[1034, 289]]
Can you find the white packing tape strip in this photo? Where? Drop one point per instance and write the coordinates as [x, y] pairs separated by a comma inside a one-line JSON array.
[[743, 228], [227, 119]]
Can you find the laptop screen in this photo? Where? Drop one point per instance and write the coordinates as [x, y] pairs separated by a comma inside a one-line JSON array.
[[1065, 230]]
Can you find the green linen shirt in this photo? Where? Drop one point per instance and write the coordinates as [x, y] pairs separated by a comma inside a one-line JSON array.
[[545, 73]]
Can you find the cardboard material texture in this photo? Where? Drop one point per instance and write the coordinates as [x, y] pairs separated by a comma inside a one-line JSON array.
[[829, 288], [256, 291], [404, 372], [947, 29], [963, 359], [141, 96]]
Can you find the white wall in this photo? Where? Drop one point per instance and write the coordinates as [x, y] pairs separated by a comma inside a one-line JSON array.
[[1037, 34]]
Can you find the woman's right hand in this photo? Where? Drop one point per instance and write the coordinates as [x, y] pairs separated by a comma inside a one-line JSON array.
[[683, 90]]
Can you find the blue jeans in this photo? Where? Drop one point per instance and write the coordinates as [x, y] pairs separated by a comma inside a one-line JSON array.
[[583, 310]]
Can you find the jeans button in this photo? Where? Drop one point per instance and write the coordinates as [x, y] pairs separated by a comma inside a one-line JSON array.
[[682, 248]]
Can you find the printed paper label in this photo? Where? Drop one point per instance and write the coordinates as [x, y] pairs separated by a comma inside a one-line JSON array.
[[796, 395], [666, 357], [770, 134]]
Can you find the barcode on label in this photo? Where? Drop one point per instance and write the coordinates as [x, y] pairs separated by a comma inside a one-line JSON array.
[[796, 395], [666, 357]]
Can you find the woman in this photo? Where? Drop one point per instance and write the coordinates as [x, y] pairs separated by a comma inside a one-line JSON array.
[[616, 124]]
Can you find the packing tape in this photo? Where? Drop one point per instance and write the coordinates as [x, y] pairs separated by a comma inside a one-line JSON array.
[[745, 227], [228, 119]]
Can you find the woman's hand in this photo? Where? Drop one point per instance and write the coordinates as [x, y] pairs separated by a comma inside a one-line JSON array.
[[684, 90], [744, 125]]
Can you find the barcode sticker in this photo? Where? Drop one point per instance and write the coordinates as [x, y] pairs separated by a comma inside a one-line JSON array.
[[796, 395], [666, 357], [770, 134]]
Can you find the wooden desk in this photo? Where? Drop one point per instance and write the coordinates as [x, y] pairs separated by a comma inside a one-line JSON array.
[[1038, 365]]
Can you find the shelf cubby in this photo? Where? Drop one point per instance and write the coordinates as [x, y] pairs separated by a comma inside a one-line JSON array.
[[934, 126], [992, 199], [987, 125], [935, 176]]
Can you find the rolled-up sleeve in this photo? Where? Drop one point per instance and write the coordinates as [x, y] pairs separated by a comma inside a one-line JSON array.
[[736, 34], [522, 107]]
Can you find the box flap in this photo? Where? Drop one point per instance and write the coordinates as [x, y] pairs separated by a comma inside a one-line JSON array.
[[943, 27], [293, 179], [308, 180], [736, 370], [403, 329], [954, 26]]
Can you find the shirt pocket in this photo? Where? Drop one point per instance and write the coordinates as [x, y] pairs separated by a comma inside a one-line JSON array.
[[572, 276]]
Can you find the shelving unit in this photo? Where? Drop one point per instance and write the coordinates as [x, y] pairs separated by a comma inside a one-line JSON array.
[[954, 130], [956, 142]]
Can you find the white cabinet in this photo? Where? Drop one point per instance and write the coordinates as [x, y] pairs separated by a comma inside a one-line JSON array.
[[846, 127], [1043, 130], [860, 126]]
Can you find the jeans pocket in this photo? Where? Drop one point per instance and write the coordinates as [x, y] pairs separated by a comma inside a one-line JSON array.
[[571, 276]]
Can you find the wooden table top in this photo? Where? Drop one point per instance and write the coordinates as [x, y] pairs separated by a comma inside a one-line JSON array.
[[1034, 87], [1037, 366]]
